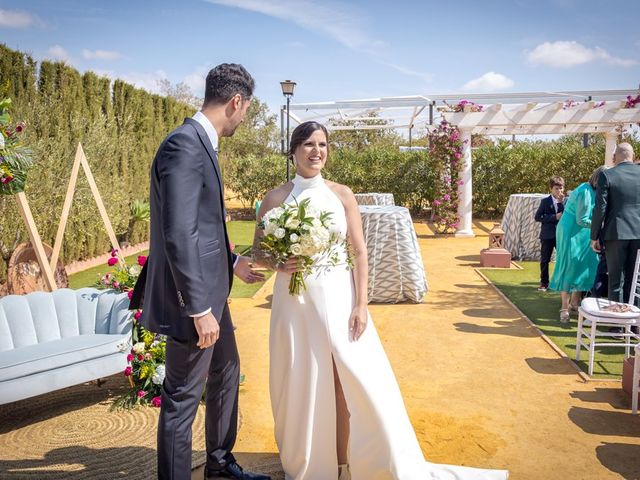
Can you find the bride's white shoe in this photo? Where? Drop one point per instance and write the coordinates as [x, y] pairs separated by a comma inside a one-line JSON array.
[[343, 472]]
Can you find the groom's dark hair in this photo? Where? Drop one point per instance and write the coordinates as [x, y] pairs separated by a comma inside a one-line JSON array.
[[225, 81]]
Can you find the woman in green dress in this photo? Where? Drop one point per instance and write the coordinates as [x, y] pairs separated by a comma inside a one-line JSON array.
[[576, 262]]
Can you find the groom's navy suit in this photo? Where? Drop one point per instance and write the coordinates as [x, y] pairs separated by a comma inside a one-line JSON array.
[[189, 270]]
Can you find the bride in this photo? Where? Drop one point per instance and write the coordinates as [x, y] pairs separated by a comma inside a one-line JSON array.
[[337, 407]]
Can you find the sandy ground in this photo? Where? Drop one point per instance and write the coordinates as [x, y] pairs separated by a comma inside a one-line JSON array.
[[482, 389]]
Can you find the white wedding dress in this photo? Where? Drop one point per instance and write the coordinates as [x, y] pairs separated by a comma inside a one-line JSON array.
[[306, 333]]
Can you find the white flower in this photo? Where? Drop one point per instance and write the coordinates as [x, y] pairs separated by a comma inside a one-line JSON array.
[[296, 249], [294, 238], [269, 228], [316, 222], [158, 376], [1, 141], [135, 270], [307, 246], [280, 233], [292, 223], [139, 347]]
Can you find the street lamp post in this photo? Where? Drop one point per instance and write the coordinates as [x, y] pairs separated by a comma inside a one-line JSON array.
[[287, 91]]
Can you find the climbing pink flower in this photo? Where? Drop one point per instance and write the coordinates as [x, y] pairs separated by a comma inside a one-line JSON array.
[[142, 260], [112, 261], [128, 371], [156, 401], [141, 393]]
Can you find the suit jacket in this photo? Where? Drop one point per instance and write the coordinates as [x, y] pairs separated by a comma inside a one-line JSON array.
[[546, 214], [190, 264], [617, 210]]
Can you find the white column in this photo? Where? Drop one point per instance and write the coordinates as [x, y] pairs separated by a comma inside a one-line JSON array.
[[465, 191], [610, 147]]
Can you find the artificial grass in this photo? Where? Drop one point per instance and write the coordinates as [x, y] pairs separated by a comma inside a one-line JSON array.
[[542, 308], [240, 234]]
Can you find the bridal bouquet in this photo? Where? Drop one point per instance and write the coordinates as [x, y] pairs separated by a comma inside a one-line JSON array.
[[302, 231]]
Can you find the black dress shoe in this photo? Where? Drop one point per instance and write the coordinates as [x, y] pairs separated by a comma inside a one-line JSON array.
[[233, 470]]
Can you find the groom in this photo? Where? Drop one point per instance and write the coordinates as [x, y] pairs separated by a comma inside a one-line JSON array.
[[187, 280]]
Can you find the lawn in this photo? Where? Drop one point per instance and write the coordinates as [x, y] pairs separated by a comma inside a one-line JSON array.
[[240, 234], [520, 286]]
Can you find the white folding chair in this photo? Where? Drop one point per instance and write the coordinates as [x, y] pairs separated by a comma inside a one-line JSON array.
[[592, 315], [635, 391]]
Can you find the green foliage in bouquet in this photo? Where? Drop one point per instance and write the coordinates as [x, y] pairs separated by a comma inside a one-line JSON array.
[[15, 159]]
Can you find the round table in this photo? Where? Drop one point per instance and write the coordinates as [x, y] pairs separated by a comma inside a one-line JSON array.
[[396, 271], [375, 199], [521, 231]]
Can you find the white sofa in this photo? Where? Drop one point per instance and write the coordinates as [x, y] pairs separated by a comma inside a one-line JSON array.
[[55, 340]]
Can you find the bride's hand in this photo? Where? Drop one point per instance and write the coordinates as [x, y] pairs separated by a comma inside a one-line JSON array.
[[358, 322], [292, 265]]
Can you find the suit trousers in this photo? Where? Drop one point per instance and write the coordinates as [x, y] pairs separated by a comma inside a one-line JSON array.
[[546, 250], [187, 369], [621, 260]]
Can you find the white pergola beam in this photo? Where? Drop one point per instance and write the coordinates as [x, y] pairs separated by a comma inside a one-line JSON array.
[[544, 129], [365, 127], [503, 118]]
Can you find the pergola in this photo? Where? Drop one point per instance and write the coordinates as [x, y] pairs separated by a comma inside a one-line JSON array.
[[533, 113]]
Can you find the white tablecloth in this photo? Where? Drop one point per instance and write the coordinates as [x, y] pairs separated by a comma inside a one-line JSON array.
[[521, 231], [396, 271], [375, 199]]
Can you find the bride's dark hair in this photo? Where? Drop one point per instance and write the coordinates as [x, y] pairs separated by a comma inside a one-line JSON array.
[[302, 132]]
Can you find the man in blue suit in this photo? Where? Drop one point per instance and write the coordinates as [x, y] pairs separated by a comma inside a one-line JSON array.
[[184, 286], [549, 213]]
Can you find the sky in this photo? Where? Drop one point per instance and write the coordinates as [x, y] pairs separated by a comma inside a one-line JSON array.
[[340, 50]]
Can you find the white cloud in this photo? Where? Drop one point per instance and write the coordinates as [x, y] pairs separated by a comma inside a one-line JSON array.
[[196, 80], [425, 76], [337, 20], [100, 54], [145, 80], [16, 19], [489, 82], [565, 54], [58, 53]]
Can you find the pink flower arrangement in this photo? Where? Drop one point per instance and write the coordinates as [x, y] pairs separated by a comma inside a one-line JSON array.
[[146, 359], [632, 102], [156, 401], [466, 103], [447, 146]]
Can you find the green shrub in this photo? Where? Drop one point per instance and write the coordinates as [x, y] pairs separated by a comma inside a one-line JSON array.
[[251, 177]]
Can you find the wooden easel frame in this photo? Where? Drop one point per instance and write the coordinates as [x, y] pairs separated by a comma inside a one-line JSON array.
[[48, 266]]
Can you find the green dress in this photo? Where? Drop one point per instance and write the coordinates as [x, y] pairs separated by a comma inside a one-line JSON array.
[[576, 262]]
